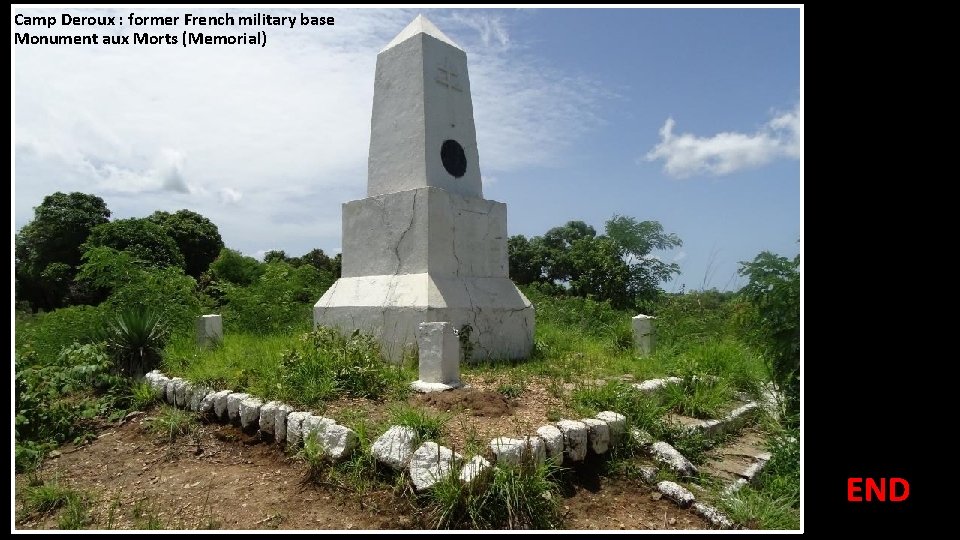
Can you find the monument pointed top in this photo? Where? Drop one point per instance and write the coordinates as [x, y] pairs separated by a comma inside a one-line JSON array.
[[420, 25]]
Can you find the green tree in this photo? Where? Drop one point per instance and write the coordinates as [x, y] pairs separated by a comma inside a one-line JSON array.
[[236, 268], [197, 237], [60, 225], [275, 255], [617, 266], [774, 293], [142, 238], [525, 260]]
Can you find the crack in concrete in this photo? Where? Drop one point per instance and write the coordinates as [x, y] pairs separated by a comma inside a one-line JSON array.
[[396, 247]]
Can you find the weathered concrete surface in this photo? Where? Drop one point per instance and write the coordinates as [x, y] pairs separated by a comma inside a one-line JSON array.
[[439, 349], [209, 330], [513, 452], [250, 412], [711, 514], [295, 428], [574, 439], [676, 493], [473, 469], [170, 393], [598, 435], [652, 385], [158, 382], [197, 395], [616, 422], [314, 425], [336, 441], [182, 392], [430, 463], [648, 473], [426, 387], [391, 307], [233, 405], [644, 334], [425, 246], [268, 415], [421, 97], [280, 422], [220, 403], [553, 442], [395, 447], [669, 456]]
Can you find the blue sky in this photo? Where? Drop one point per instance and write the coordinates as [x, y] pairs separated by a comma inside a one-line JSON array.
[[691, 117]]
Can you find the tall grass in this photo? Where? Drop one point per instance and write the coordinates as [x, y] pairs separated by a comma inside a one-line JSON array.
[[521, 497], [306, 369]]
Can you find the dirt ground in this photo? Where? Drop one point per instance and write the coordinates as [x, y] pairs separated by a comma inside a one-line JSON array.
[[220, 478], [476, 413]]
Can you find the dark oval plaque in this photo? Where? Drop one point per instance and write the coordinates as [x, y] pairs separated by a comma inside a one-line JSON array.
[[453, 158]]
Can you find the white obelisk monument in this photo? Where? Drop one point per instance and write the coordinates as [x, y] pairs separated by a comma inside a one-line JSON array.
[[425, 246]]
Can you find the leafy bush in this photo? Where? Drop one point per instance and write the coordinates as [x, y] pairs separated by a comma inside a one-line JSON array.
[[43, 336], [280, 300], [325, 364], [236, 268], [65, 399], [61, 400], [774, 322], [167, 292]]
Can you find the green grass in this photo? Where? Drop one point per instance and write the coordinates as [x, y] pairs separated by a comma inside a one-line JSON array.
[[75, 513], [301, 369], [698, 397], [172, 423], [39, 498], [427, 425], [524, 497], [145, 516]]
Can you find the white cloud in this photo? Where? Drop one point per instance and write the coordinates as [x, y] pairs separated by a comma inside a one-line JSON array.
[[229, 195], [266, 142], [679, 256], [687, 154]]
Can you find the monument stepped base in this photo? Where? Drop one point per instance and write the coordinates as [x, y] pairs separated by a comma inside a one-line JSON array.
[[392, 306]]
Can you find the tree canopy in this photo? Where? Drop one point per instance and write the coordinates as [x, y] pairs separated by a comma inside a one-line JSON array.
[[197, 238], [47, 249], [142, 238], [617, 266]]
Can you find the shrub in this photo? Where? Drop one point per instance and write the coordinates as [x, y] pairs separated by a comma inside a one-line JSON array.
[[325, 364], [135, 338], [774, 321], [280, 300], [43, 336]]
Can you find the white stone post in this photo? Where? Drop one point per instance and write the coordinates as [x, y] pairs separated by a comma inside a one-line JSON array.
[[209, 330], [644, 334], [439, 357]]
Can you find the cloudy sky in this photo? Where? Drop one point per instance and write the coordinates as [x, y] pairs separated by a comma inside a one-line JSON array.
[[690, 117]]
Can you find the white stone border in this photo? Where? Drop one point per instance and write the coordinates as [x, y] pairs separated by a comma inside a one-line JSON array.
[[565, 440]]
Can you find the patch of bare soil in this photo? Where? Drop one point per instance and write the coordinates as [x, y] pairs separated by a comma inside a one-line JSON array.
[[221, 478], [471, 401], [476, 413], [218, 478], [627, 505]]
